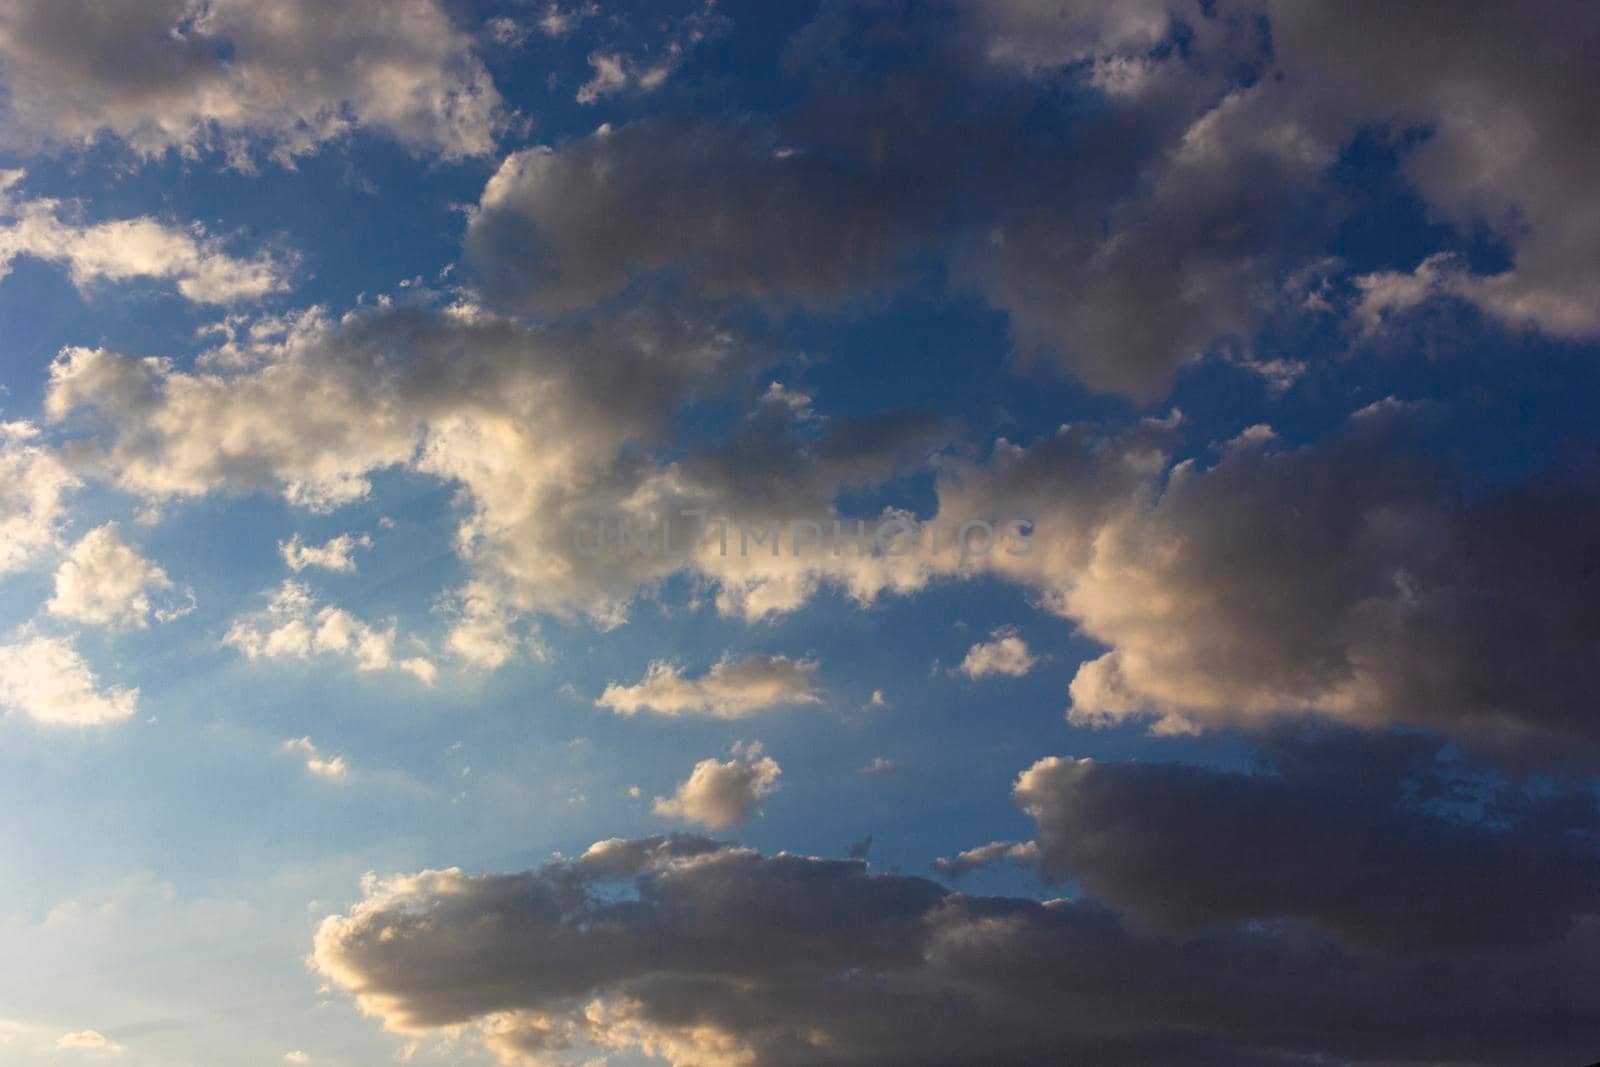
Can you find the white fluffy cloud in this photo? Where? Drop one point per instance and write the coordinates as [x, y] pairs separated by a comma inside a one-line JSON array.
[[47, 680], [718, 795], [242, 75], [1006, 654], [731, 689], [335, 554], [34, 484], [106, 582], [122, 249], [294, 626]]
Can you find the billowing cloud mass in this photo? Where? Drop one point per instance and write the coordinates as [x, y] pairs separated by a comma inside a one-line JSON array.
[[45, 679], [731, 689], [122, 249], [1006, 654], [106, 582], [295, 626], [335, 554], [543, 428], [1348, 579], [34, 484], [238, 76], [718, 794], [727, 957], [1184, 211]]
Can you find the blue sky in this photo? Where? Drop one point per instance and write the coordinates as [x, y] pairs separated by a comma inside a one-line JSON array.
[[325, 328]]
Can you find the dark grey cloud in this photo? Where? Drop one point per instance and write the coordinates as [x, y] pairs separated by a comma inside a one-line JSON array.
[[1136, 186], [728, 956], [1188, 848]]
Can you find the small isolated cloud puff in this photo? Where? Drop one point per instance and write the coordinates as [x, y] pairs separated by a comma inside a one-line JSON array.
[[294, 627], [319, 765], [45, 679], [731, 689], [89, 1040], [334, 554], [1023, 853], [720, 795], [123, 249], [1006, 654], [105, 582]]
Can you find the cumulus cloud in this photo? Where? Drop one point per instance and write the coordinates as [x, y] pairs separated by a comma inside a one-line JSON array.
[[241, 76], [547, 430], [295, 626], [1006, 654], [334, 768], [106, 582], [34, 484], [1347, 579], [121, 249], [1191, 847], [724, 956], [718, 795], [731, 689], [335, 554], [47, 680], [560, 229], [1183, 214]]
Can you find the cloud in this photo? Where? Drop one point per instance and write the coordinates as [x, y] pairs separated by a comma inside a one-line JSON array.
[[726, 956], [34, 484], [878, 765], [562, 229], [1025, 853], [1347, 579], [1006, 654], [105, 582], [293, 626], [731, 689], [719, 795], [335, 768], [1350, 853], [123, 249], [87, 1040], [1185, 211], [546, 430], [334, 554], [532, 423], [45, 679], [240, 76]]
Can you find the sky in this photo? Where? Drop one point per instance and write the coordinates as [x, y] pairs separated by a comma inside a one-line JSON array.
[[854, 532]]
